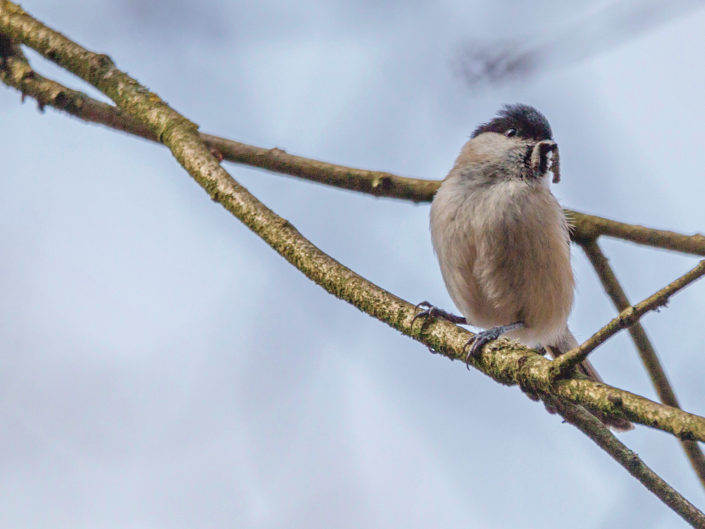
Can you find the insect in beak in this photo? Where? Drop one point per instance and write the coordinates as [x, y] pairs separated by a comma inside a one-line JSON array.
[[545, 158]]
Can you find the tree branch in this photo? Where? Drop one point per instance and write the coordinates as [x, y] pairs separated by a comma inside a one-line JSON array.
[[507, 362], [21, 76], [600, 434], [564, 364], [646, 350], [515, 365], [589, 227]]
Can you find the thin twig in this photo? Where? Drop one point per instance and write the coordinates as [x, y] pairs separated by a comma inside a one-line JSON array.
[[564, 364], [601, 435], [646, 350], [20, 75], [181, 136], [589, 227]]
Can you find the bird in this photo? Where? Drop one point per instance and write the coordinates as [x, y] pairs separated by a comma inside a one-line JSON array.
[[503, 241]]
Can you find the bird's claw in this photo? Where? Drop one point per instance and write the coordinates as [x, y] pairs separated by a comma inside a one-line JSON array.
[[429, 311], [476, 342]]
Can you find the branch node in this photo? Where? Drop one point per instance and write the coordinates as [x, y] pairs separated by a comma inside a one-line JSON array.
[[616, 400], [102, 61], [381, 184], [686, 435]]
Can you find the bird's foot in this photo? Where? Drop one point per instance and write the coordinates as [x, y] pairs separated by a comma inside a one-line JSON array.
[[431, 311], [475, 344]]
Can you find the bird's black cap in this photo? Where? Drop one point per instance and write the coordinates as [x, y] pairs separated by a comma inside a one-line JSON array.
[[528, 122]]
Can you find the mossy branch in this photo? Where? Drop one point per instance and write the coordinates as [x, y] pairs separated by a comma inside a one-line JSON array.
[[516, 364], [21, 76], [505, 361], [645, 348]]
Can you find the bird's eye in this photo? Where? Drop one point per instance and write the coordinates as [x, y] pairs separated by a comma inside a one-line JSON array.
[[510, 132]]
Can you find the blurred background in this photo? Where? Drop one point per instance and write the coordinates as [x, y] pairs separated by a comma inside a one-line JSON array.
[[163, 367]]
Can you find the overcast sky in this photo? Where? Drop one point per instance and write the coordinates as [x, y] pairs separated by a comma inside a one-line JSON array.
[[162, 367]]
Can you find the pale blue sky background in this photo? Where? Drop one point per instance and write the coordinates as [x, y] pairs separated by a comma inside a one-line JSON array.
[[163, 368]]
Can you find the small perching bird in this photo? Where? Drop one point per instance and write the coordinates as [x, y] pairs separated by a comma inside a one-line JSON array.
[[502, 240]]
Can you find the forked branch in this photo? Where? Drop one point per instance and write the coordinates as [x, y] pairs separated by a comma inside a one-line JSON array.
[[645, 348], [565, 363], [504, 361]]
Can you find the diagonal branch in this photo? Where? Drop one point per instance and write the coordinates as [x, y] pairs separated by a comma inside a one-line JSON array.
[[19, 74], [506, 362], [564, 364], [646, 350], [600, 434], [515, 364]]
